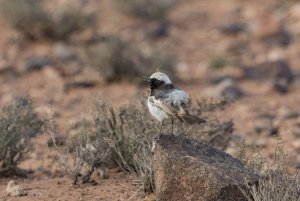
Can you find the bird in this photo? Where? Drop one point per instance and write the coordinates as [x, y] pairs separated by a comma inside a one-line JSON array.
[[168, 101]]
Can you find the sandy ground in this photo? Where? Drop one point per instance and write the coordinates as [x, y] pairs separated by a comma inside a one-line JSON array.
[[194, 39]]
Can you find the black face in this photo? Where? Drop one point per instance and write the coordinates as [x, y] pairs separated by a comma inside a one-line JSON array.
[[155, 83]]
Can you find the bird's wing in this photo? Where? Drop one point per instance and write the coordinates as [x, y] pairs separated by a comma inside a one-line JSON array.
[[174, 101]]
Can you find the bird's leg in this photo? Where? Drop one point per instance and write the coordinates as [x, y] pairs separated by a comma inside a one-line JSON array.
[[172, 120], [160, 131]]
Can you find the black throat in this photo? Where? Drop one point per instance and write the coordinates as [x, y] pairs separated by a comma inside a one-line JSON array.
[[155, 83]]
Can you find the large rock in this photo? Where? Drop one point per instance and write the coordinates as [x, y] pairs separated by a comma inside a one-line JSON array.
[[186, 170]]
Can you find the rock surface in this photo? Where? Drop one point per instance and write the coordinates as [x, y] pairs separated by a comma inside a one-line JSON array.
[[186, 170]]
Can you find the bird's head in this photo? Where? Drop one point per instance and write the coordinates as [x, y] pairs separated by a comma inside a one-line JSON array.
[[161, 77], [157, 79]]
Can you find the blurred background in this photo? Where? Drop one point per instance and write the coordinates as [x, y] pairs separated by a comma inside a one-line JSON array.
[[67, 53]]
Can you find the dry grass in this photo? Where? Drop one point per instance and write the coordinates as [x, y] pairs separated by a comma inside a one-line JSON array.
[[18, 125], [33, 22], [275, 183], [86, 152], [125, 137]]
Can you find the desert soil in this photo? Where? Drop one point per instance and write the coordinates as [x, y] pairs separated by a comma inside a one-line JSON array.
[[194, 38]]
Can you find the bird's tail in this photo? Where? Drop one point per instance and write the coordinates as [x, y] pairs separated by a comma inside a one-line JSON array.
[[192, 119]]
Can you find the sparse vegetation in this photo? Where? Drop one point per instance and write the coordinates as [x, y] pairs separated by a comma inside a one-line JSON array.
[[30, 19], [275, 182], [117, 60], [86, 152], [125, 137], [147, 9], [18, 125]]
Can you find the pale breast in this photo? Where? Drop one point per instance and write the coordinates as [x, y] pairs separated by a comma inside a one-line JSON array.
[[155, 111]]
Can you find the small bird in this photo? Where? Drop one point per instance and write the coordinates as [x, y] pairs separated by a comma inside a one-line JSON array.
[[165, 100]]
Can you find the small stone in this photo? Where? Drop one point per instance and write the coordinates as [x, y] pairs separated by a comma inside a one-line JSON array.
[[232, 92], [298, 165], [233, 28], [292, 115], [37, 63], [220, 78], [273, 131], [272, 31], [14, 190]]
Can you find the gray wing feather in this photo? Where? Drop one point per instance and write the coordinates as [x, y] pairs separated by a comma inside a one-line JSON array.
[[173, 101]]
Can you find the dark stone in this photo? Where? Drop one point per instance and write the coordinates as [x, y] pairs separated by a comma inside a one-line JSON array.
[[292, 115], [159, 30], [187, 170], [273, 131], [220, 78], [37, 63], [298, 165], [279, 71], [282, 38], [234, 28], [232, 92]]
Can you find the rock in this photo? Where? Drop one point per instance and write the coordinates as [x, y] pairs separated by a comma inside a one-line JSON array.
[[37, 63], [272, 31], [232, 92], [279, 71], [229, 89], [292, 115], [284, 76], [233, 28], [156, 31], [298, 165], [220, 78], [226, 88], [282, 38], [187, 170], [14, 190]]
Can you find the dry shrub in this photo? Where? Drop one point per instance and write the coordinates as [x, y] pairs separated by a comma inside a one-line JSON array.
[[86, 152], [147, 9], [30, 19], [18, 125], [124, 138], [129, 132], [275, 182], [117, 60]]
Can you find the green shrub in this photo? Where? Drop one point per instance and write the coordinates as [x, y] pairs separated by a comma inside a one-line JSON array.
[[30, 19], [18, 125]]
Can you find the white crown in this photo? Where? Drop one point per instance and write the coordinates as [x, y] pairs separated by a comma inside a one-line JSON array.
[[161, 76]]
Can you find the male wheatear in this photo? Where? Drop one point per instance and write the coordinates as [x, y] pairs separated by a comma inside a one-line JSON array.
[[165, 100]]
